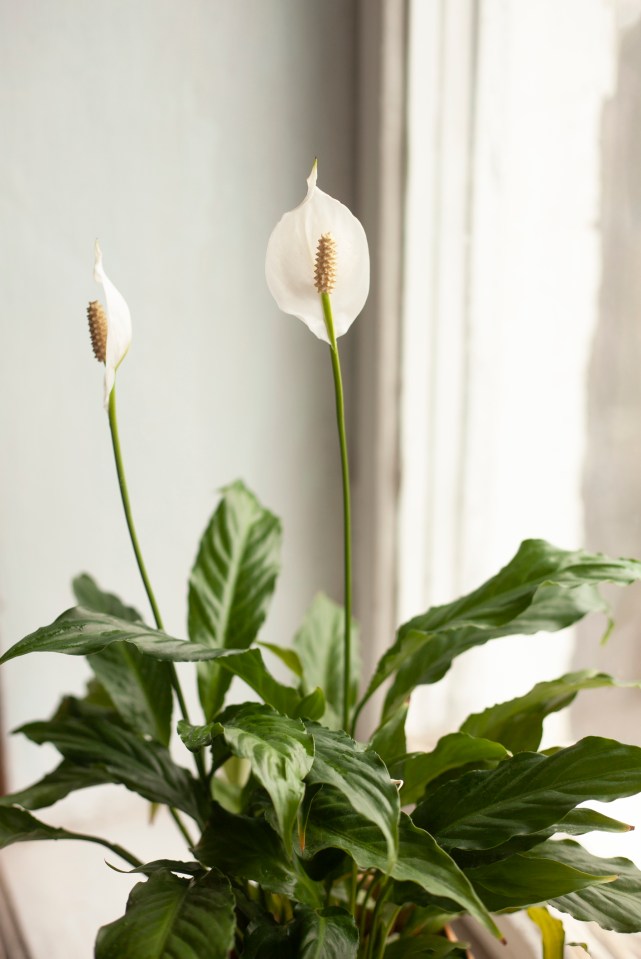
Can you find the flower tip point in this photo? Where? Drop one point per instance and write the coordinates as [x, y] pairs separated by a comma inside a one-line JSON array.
[[97, 261], [313, 176]]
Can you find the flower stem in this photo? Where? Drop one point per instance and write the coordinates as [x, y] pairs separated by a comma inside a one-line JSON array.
[[124, 494], [347, 522], [181, 826]]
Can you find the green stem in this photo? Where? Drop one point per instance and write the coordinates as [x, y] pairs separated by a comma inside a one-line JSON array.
[[183, 829], [118, 850], [124, 495], [347, 522], [368, 892], [387, 929], [377, 928]]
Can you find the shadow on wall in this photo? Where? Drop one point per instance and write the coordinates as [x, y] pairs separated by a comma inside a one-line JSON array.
[[612, 471]]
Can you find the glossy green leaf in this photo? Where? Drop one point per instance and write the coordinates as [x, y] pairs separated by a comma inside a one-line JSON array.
[[326, 934], [89, 595], [542, 589], [333, 823], [94, 738], [313, 934], [16, 825], [616, 905], [139, 686], [389, 739], [172, 918], [191, 869], [266, 939], [65, 779], [552, 932], [576, 823], [231, 583], [319, 646], [81, 632], [518, 724], [361, 776], [529, 878], [280, 751], [584, 820], [248, 848], [457, 749], [287, 655], [196, 738], [312, 706], [528, 792], [425, 946]]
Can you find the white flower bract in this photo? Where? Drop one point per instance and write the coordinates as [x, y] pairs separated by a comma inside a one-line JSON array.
[[291, 254], [118, 324]]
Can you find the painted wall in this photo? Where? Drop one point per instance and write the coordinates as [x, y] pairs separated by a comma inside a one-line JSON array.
[[177, 133]]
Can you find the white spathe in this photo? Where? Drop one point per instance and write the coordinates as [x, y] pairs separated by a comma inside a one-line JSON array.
[[291, 254], [118, 324]]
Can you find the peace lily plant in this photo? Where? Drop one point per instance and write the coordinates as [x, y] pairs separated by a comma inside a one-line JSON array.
[[301, 840]]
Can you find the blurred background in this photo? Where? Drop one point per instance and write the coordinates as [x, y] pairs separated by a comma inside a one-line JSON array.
[[491, 149]]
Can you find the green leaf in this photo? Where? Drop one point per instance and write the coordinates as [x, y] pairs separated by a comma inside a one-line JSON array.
[[528, 792], [231, 583], [140, 687], [333, 823], [319, 646], [424, 945], [454, 750], [280, 751], [583, 820], [248, 848], [552, 932], [172, 918], [542, 588], [529, 878], [312, 706], [95, 739], [196, 738], [89, 595], [576, 823], [66, 778], [518, 724], [16, 825], [287, 656], [361, 776], [81, 632], [615, 906], [326, 934], [191, 869], [389, 739], [267, 939]]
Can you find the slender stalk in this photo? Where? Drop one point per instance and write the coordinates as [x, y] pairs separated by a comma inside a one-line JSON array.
[[363, 919], [126, 504], [387, 929], [377, 930], [118, 850], [347, 522], [124, 494], [175, 815]]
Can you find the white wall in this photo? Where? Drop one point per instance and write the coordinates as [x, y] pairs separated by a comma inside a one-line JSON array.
[[177, 133]]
